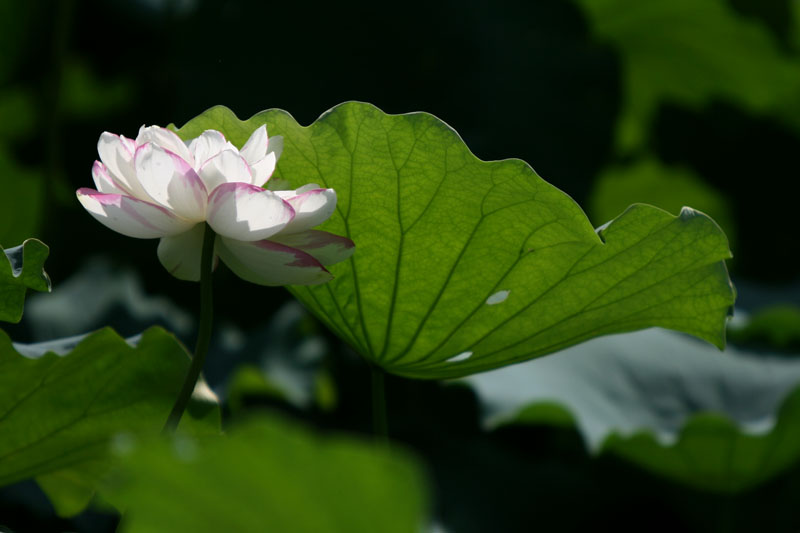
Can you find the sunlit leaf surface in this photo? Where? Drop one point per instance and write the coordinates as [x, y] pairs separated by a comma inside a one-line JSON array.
[[463, 265], [268, 475], [21, 268]]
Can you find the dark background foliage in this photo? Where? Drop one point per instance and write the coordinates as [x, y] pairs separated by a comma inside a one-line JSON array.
[[515, 79]]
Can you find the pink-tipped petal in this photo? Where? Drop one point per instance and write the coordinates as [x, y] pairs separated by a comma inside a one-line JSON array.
[[166, 139], [206, 146], [131, 216], [171, 182], [247, 213], [312, 207], [103, 180], [325, 247], [270, 263], [118, 159], [180, 254], [256, 146], [262, 170], [130, 144], [225, 167]]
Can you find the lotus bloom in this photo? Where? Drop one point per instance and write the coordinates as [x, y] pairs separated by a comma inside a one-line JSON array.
[[157, 186]]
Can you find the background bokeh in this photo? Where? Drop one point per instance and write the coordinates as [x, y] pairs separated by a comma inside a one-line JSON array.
[[682, 102], [595, 106]]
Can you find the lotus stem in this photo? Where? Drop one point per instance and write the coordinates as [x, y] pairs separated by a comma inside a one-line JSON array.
[[203, 334]]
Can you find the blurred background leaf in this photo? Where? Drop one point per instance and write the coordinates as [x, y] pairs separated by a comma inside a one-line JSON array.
[[776, 326], [86, 393], [691, 52], [714, 454], [270, 475], [723, 422], [534, 80], [21, 203]]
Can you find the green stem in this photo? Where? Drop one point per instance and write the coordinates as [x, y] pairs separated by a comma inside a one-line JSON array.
[[203, 335], [379, 424]]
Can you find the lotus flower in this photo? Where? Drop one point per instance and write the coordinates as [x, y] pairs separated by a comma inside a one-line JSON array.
[[157, 186]]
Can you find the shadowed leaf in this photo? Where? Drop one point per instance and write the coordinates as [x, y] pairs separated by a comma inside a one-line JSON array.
[[21, 268], [60, 412]]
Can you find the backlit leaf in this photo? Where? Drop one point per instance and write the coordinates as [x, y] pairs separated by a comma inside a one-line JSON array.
[[463, 265]]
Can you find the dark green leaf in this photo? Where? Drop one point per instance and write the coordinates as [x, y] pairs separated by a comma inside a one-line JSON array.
[[463, 265], [59, 414], [21, 268]]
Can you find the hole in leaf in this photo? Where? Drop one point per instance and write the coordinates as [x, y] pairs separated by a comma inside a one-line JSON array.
[[498, 297], [463, 356]]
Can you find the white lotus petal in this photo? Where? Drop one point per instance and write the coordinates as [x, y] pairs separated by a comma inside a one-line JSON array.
[[256, 146], [225, 167], [305, 188], [117, 156], [270, 263], [312, 207], [129, 144], [206, 146], [247, 213], [103, 180], [171, 182], [131, 216], [166, 139], [262, 170], [325, 247], [181, 254]]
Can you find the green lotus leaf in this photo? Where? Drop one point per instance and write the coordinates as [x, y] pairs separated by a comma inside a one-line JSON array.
[[463, 265], [64, 404], [21, 268], [648, 181]]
